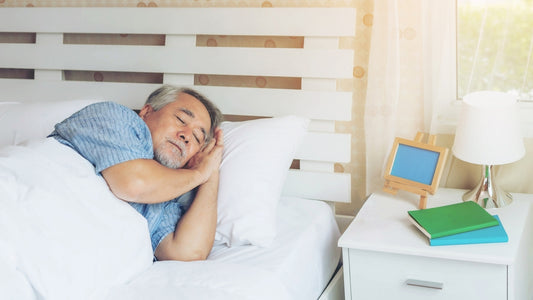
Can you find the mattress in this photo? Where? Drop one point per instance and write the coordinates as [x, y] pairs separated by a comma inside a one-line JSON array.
[[298, 265]]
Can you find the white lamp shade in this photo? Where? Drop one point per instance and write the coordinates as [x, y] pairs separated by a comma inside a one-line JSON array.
[[488, 130]]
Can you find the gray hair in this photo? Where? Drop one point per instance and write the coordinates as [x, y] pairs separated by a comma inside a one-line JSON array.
[[168, 94]]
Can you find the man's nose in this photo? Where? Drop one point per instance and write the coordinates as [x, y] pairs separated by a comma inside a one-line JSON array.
[[185, 135]]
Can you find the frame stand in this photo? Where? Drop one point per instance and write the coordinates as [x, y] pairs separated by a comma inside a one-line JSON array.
[[413, 162]]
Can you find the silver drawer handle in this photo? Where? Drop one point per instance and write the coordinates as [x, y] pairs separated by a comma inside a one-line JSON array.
[[425, 284]]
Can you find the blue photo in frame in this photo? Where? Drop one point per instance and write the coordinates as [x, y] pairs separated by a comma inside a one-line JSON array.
[[415, 165]]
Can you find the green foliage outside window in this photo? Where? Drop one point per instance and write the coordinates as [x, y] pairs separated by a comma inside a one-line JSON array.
[[494, 47]]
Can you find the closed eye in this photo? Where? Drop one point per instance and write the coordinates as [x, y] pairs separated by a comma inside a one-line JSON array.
[[195, 135], [199, 135], [197, 139]]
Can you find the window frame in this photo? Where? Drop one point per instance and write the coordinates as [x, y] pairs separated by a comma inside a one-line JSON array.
[[442, 105]]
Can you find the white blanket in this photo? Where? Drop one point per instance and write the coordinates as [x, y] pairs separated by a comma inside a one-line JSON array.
[[63, 235]]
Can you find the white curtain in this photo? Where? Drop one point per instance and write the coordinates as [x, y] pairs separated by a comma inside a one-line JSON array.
[[403, 79], [382, 90]]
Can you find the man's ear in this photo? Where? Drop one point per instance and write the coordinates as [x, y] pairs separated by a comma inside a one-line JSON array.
[[145, 111]]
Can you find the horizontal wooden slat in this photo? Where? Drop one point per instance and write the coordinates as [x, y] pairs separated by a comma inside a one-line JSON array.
[[193, 60], [333, 147], [316, 166], [132, 95], [322, 105], [231, 100], [222, 21], [318, 185]]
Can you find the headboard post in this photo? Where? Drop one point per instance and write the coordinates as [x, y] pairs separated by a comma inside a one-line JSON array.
[[327, 84], [48, 39], [177, 42]]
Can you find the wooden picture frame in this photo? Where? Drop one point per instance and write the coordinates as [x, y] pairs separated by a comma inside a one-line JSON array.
[[415, 166]]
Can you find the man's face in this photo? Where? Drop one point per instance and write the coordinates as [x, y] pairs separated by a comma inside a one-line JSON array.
[[179, 129]]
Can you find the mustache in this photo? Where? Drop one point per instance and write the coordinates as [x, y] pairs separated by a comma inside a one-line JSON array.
[[175, 159], [178, 144]]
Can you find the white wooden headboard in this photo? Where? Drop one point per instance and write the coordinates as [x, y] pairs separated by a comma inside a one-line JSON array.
[[319, 64]]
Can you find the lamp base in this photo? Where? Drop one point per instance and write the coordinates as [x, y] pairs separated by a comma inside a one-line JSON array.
[[487, 193]]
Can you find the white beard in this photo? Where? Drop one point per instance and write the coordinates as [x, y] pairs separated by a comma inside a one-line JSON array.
[[174, 159]]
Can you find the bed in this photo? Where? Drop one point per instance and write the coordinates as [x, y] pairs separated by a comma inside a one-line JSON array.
[[63, 235]]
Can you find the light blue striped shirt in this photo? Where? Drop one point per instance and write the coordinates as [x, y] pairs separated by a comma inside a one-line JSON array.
[[108, 133]]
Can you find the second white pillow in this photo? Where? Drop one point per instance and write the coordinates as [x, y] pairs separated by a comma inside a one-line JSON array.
[[257, 156]]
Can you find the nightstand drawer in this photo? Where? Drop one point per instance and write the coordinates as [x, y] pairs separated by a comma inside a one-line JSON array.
[[380, 275]]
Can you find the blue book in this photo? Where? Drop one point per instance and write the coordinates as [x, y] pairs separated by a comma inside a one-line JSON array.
[[494, 234]]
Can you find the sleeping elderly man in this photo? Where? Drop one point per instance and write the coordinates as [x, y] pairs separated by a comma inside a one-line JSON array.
[[164, 161]]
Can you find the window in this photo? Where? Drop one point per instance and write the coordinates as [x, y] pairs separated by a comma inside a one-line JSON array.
[[494, 47], [474, 45]]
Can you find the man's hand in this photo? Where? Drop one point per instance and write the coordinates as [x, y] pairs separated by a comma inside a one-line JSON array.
[[209, 158]]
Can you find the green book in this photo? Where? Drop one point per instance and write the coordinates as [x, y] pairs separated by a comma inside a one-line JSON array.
[[451, 219]]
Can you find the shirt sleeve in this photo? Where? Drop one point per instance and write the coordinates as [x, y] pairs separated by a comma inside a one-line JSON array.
[[106, 134]]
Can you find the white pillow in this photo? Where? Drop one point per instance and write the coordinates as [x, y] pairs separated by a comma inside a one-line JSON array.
[[257, 156], [24, 121]]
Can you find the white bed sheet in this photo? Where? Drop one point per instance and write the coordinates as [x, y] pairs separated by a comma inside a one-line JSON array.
[[298, 265]]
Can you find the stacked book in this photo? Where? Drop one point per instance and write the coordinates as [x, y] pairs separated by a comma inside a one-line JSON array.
[[460, 223]]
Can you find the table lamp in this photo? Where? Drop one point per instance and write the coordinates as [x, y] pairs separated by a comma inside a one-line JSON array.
[[488, 134]]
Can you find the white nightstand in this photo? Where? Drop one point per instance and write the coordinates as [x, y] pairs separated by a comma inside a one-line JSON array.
[[384, 254]]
